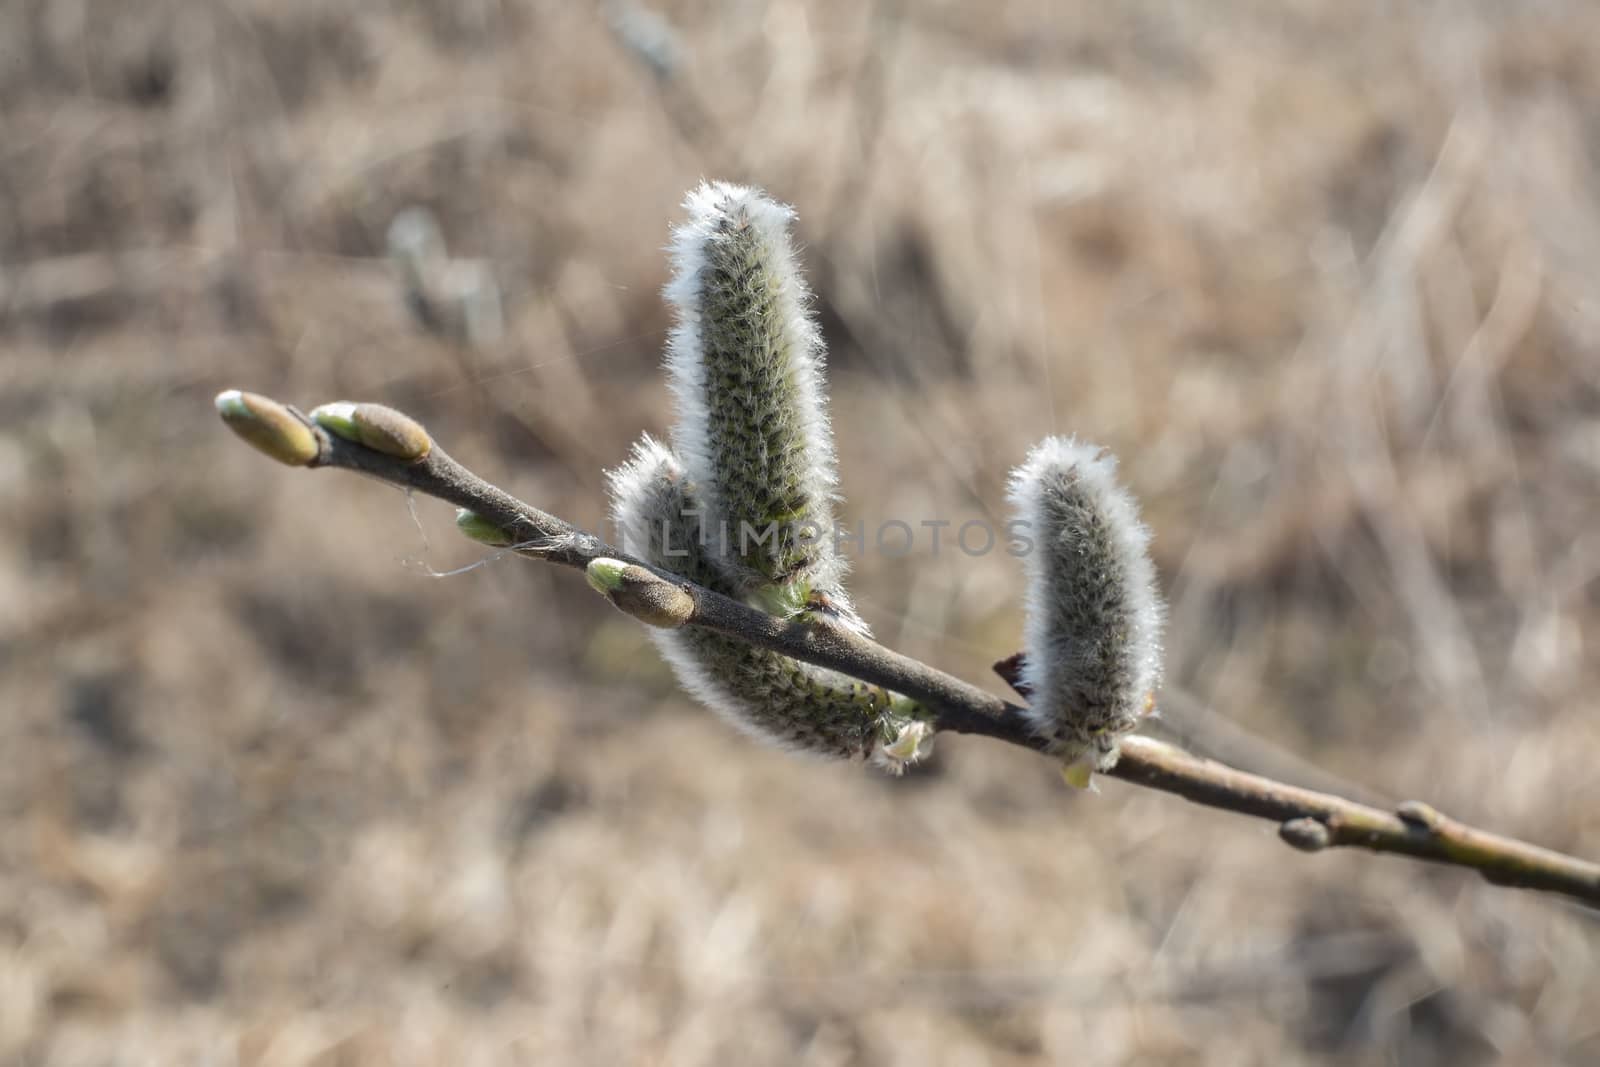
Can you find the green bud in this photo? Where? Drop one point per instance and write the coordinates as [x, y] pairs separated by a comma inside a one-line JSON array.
[[647, 597], [380, 428], [481, 529], [605, 575], [338, 418], [269, 426]]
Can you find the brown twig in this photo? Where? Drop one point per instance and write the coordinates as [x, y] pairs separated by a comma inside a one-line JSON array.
[[1308, 820]]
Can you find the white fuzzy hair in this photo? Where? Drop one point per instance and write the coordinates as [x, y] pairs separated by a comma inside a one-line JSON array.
[[632, 487], [1058, 662], [711, 207], [640, 491], [635, 488]]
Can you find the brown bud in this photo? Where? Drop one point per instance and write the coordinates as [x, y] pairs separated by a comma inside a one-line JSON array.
[[382, 429], [647, 597]]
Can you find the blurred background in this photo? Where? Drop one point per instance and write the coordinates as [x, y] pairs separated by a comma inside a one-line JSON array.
[[1322, 273]]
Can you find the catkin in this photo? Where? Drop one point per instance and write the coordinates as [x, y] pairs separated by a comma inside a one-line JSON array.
[[1092, 637]]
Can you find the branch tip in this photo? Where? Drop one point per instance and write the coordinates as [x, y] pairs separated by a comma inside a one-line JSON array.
[[272, 428]]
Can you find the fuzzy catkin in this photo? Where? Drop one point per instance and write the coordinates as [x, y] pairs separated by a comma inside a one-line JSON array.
[[745, 362], [748, 509], [1092, 638], [657, 510]]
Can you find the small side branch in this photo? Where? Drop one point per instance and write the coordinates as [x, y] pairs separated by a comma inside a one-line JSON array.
[[393, 448]]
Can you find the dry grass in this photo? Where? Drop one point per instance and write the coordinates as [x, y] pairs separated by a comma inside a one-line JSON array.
[[1322, 272]]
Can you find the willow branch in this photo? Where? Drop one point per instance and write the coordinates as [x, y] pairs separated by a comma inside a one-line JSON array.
[[1308, 820]]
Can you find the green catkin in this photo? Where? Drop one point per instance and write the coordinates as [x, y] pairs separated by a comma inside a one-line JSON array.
[[748, 508], [770, 696], [745, 361], [1092, 655]]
